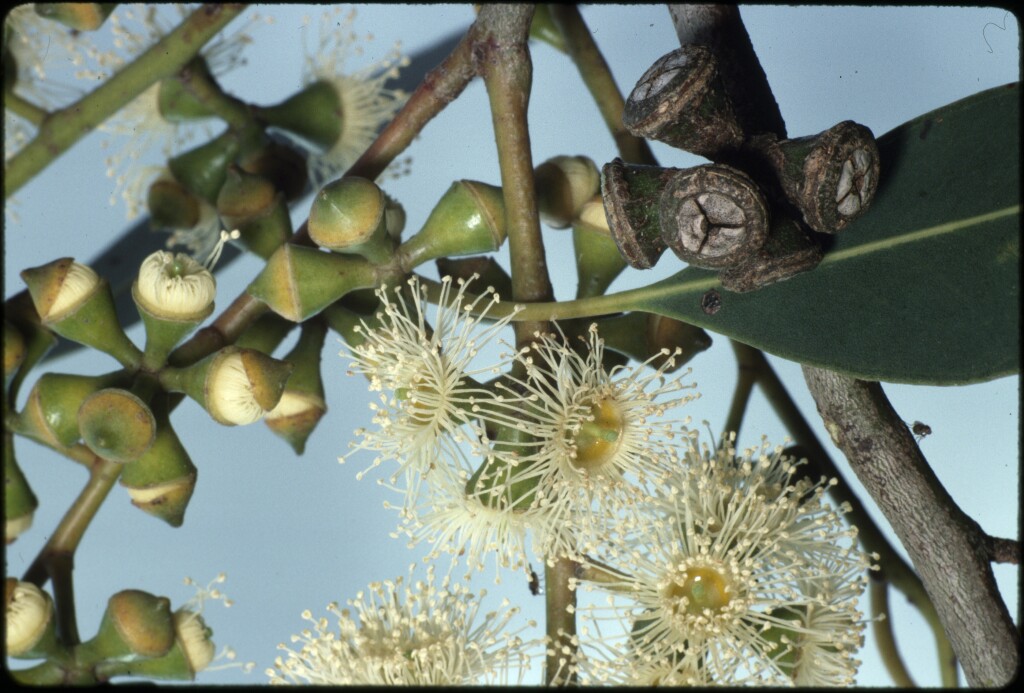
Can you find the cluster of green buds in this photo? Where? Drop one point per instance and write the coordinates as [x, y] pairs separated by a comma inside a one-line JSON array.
[[752, 213], [138, 635], [122, 417]]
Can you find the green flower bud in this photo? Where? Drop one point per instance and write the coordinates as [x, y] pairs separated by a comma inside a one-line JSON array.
[[244, 196], [299, 282], [302, 403], [14, 351], [564, 184], [21, 313], [81, 16], [202, 170], [192, 652], [136, 625], [162, 480], [483, 269], [116, 425], [171, 205], [469, 219], [51, 413], [235, 386], [73, 301], [250, 203], [175, 103], [647, 336], [19, 502], [266, 333], [348, 216], [598, 261], [279, 163], [31, 631], [314, 114]]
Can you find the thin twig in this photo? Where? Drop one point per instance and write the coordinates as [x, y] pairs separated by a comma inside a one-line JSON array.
[[1003, 550], [882, 622], [164, 58], [599, 81]]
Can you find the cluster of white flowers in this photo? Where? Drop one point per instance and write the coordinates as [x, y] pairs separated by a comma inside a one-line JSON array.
[[409, 632], [717, 567]]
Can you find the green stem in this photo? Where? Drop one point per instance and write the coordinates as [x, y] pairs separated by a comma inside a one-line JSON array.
[[201, 85], [56, 559], [24, 108], [66, 126], [599, 80], [882, 622]]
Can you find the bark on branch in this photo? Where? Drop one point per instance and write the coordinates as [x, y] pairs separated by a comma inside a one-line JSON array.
[[948, 548]]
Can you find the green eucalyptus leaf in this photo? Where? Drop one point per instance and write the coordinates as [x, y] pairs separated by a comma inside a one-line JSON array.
[[924, 288]]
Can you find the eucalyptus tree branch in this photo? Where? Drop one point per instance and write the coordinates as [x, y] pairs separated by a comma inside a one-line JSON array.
[[61, 129], [599, 81], [947, 547], [1002, 550]]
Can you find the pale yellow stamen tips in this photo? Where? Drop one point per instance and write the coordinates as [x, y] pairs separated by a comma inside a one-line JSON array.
[[28, 613], [225, 236], [232, 398]]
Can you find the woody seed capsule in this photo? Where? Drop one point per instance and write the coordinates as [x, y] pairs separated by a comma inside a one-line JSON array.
[[681, 100], [713, 216]]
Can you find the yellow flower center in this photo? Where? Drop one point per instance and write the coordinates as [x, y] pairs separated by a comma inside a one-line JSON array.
[[419, 409], [702, 588], [598, 440]]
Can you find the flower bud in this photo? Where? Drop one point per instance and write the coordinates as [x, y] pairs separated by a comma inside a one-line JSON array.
[[51, 413], [235, 386], [19, 502], [266, 333], [116, 425], [250, 203], [348, 216], [173, 294], [162, 480], [312, 114], [171, 205], [469, 219], [20, 312], [299, 282], [598, 261], [279, 163], [175, 103], [73, 301], [135, 625], [202, 170], [31, 631], [483, 269], [80, 16], [302, 403], [192, 652], [564, 184], [14, 351]]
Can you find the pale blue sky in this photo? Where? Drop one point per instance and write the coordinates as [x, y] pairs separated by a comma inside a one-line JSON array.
[[297, 533]]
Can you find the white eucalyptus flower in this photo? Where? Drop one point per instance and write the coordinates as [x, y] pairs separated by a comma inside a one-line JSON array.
[[403, 632], [174, 286], [719, 590]]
